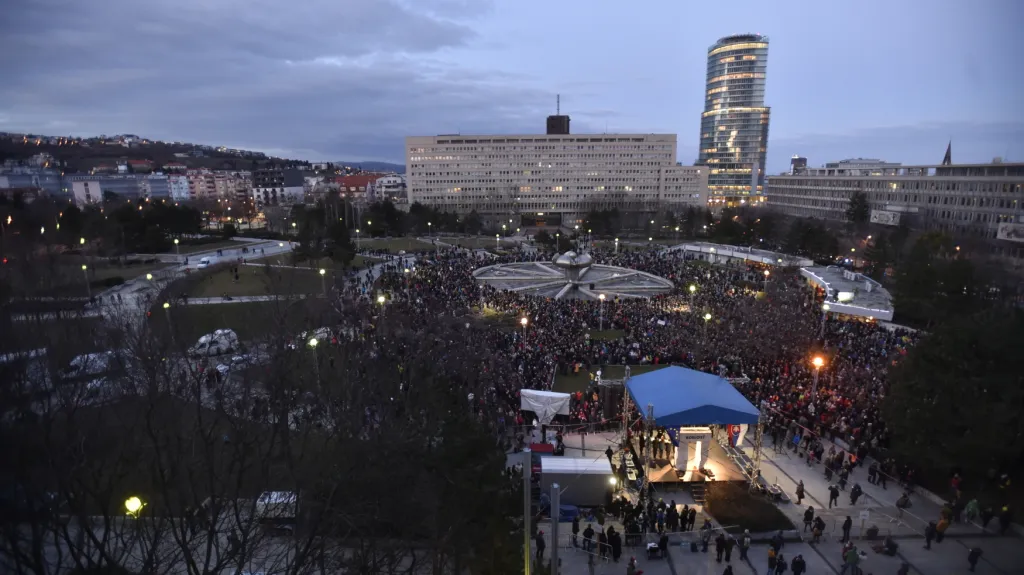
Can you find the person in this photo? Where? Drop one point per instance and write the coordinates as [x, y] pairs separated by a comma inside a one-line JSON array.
[[940, 529], [833, 496], [615, 541], [588, 537], [818, 530], [799, 565], [800, 492], [772, 561], [855, 493], [847, 525], [728, 570], [873, 473], [744, 544], [602, 544], [631, 567], [808, 518], [663, 545], [929, 534], [609, 453], [719, 546], [575, 530], [851, 558], [729, 543], [540, 544], [972, 557], [780, 565]]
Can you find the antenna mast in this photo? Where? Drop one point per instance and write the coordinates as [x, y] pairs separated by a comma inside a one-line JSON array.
[[558, 104]]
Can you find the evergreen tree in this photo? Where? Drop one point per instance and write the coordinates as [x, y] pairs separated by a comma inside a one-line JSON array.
[[859, 210]]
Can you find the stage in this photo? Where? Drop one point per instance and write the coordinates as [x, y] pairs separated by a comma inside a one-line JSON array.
[[718, 463]]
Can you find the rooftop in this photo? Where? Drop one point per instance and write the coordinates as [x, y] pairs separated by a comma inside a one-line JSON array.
[[851, 293], [746, 253]]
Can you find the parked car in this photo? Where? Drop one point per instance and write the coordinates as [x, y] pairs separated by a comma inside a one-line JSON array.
[[219, 342], [206, 262]]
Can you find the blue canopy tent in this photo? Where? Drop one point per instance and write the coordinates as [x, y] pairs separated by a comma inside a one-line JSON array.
[[685, 397]]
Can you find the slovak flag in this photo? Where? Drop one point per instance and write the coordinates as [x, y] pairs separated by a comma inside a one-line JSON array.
[[734, 434]]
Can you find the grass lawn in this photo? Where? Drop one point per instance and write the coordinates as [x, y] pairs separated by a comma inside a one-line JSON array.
[[500, 321], [255, 281], [394, 245], [104, 271], [250, 320], [606, 335], [736, 509], [579, 381], [73, 336], [325, 263], [475, 243], [191, 248]]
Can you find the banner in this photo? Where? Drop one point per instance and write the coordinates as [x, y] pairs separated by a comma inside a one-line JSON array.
[[886, 218], [1011, 232]]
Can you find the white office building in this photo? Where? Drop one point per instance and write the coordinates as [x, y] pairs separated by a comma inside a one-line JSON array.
[[551, 179]]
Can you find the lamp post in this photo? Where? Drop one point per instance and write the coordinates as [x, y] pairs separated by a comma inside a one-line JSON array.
[[316, 360], [406, 282], [357, 239], [430, 228], [817, 362], [524, 322], [177, 250], [133, 505], [824, 316], [497, 240], [382, 300], [693, 290], [323, 280], [677, 234], [707, 318], [601, 324], [616, 246], [85, 274], [766, 274]]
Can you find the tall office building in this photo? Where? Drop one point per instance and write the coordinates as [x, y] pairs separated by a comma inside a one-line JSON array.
[[734, 125]]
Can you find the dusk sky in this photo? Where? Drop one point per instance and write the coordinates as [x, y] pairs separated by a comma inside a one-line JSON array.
[[349, 79]]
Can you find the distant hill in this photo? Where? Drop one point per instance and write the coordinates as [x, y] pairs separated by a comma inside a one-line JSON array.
[[376, 166]]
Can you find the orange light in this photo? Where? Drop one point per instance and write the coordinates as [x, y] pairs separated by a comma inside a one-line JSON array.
[[818, 362]]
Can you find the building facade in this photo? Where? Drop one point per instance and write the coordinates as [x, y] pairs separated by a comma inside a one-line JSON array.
[[278, 187], [550, 179], [734, 124], [979, 201], [178, 188]]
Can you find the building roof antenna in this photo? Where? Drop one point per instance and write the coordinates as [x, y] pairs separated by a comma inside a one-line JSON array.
[[558, 104]]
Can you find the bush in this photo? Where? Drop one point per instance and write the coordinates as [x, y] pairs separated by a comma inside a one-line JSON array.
[[736, 509]]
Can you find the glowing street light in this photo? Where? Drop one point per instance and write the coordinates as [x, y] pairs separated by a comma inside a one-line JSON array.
[[817, 362], [85, 274], [766, 274], [81, 241], [381, 299], [497, 240], [323, 280], [149, 277], [313, 342], [177, 250], [616, 245], [133, 505], [601, 324], [707, 320], [824, 316], [693, 290], [524, 322]]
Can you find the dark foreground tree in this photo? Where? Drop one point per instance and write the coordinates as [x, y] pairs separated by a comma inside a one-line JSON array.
[[859, 210], [956, 400]]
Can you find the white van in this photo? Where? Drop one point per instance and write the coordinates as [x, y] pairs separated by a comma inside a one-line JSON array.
[[206, 262], [217, 343]]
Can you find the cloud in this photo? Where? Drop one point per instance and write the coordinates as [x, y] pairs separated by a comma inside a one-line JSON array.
[[326, 80]]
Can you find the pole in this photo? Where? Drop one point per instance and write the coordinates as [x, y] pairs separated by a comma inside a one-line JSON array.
[[555, 493], [527, 470], [647, 451], [88, 288], [824, 316], [602, 316], [814, 387]]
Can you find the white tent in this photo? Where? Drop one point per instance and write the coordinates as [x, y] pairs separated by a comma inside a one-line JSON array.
[[546, 404]]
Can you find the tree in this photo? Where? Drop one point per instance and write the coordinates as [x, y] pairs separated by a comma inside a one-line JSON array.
[[229, 231], [955, 400], [544, 238], [859, 210], [339, 243]]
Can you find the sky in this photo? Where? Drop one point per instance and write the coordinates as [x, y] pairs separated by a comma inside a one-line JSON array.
[[350, 79]]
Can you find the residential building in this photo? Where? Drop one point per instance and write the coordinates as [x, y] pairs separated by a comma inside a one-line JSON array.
[[390, 187], [357, 186], [154, 186], [202, 184], [983, 202], [178, 187], [88, 189], [734, 125], [276, 186], [550, 179]]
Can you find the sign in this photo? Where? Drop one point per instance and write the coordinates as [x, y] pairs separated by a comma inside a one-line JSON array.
[[864, 515], [886, 218], [694, 437], [1011, 232]]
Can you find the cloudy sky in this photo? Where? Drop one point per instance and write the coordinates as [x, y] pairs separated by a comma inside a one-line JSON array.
[[349, 79]]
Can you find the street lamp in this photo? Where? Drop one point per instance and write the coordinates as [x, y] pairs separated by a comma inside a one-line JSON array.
[[167, 312], [524, 322], [323, 280], [81, 241], [406, 272], [316, 360], [85, 274], [149, 277], [677, 233], [133, 505], [601, 325], [824, 316], [616, 246], [817, 362], [766, 274], [357, 238], [693, 290], [707, 318], [177, 250], [381, 299], [497, 240]]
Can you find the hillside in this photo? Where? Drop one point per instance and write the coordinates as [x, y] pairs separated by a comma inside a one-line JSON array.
[[376, 166]]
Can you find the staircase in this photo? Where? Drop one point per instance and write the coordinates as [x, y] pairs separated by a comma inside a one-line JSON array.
[[697, 492]]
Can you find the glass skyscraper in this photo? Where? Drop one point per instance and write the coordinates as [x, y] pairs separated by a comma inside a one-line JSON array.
[[734, 125]]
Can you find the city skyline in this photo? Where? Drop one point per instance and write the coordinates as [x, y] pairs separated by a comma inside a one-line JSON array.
[[352, 81]]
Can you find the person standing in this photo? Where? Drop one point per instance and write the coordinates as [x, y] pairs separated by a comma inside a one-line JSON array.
[[575, 530], [940, 529], [799, 565], [588, 537], [929, 534], [540, 544], [729, 543], [808, 518], [833, 496], [744, 545], [800, 492], [772, 561], [719, 547]]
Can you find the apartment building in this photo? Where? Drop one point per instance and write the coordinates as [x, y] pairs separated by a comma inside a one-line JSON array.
[[980, 201], [550, 179], [178, 187], [88, 188], [273, 187]]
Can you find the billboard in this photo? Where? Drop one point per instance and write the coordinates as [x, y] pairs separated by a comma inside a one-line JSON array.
[[885, 218], [1010, 231]]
